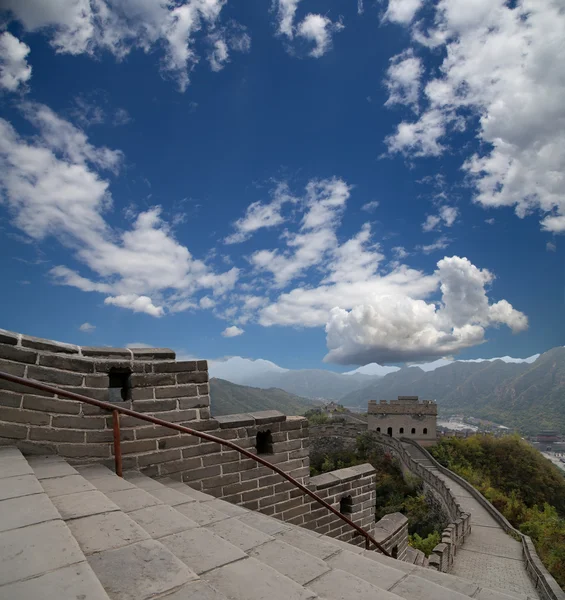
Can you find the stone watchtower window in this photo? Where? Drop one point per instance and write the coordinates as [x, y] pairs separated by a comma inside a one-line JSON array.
[[401, 430], [264, 442], [379, 429], [389, 431], [413, 430], [120, 385], [425, 431], [346, 505]]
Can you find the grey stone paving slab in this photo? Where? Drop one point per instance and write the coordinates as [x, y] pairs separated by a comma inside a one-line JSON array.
[[416, 588], [20, 485], [139, 571], [34, 550], [162, 520], [170, 496], [12, 467], [495, 542], [239, 534], [340, 585], [83, 504], [26, 510], [227, 508], [290, 561], [186, 489], [486, 594], [9, 452], [263, 523], [389, 562], [250, 579], [68, 484], [133, 499], [383, 577], [142, 481], [201, 513], [196, 590], [45, 467], [75, 582], [202, 550], [94, 471], [111, 483], [312, 545], [468, 588], [98, 533], [345, 546]]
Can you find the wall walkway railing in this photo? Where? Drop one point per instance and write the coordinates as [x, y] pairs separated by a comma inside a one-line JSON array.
[[117, 410]]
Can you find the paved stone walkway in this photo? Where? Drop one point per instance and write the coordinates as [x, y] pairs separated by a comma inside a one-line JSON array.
[[489, 556]]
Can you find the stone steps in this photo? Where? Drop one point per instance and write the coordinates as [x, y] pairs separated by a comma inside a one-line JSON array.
[[68, 531]]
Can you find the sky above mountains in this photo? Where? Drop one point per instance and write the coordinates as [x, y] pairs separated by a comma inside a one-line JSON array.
[[298, 181]]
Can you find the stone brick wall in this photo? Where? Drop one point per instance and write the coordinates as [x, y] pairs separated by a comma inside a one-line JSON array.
[[177, 391]]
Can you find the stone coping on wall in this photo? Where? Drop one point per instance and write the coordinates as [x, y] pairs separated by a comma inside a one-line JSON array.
[[331, 478], [543, 580], [249, 419], [34, 343]]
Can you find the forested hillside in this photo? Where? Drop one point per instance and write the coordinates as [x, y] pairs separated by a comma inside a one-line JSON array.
[[227, 398]]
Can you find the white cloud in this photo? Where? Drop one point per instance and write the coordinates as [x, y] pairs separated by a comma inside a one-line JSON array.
[[232, 331], [373, 369], [325, 201], [219, 55], [400, 328], [315, 28], [87, 327], [93, 26], [52, 188], [14, 70], [234, 37], [370, 206], [242, 370], [402, 11], [207, 302], [259, 215], [495, 77], [551, 247], [447, 216], [403, 79], [319, 30], [440, 244], [138, 345], [490, 221]]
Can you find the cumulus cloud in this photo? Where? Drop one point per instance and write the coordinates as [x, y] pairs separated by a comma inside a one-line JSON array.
[[87, 327], [93, 26], [232, 331], [447, 216], [495, 78], [314, 28], [370, 206], [53, 186], [14, 69], [262, 215], [395, 328], [440, 244], [402, 11], [403, 79]]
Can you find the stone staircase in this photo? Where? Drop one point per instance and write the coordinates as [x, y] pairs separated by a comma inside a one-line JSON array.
[[82, 533]]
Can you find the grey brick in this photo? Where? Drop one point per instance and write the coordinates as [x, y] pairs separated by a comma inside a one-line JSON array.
[[142, 393], [104, 366], [138, 446], [176, 416], [97, 394], [154, 353], [238, 488], [48, 345], [201, 449], [181, 441], [262, 492], [180, 465], [18, 432], [17, 354], [56, 435], [17, 415], [272, 500], [54, 376], [220, 481], [203, 389], [195, 402], [202, 473], [66, 363], [175, 366], [154, 431], [84, 450], [268, 416], [145, 406], [193, 377], [107, 435], [237, 420], [158, 457], [79, 422], [10, 399], [172, 391], [105, 352], [238, 466], [8, 337], [53, 405], [152, 379], [205, 412], [97, 381], [13, 368]]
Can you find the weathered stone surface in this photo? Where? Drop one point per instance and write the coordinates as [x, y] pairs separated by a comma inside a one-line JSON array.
[[196, 590], [66, 363], [250, 579], [26, 510], [99, 352], [7, 337], [21, 485], [200, 513], [238, 420], [268, 416], [130, 500], [307, 542], [155, 353], [75, 581], [152, 379], [340, 585], [175, 366], [69, 484], [139, 571], [101, 532], [83, 504], [17, 354], [12, 368], [46, 467], [192, 377], [53, 405], [48, 345], [34, 550], [239, 534], [162, 520], [13, 432], [79, 422]]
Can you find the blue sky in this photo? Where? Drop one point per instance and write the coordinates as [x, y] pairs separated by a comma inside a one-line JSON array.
[[312, 183]]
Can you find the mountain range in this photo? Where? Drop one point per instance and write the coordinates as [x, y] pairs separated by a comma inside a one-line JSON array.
[[528, 395]]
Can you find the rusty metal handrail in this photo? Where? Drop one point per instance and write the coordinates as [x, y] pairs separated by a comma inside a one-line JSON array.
[[117, 410]]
